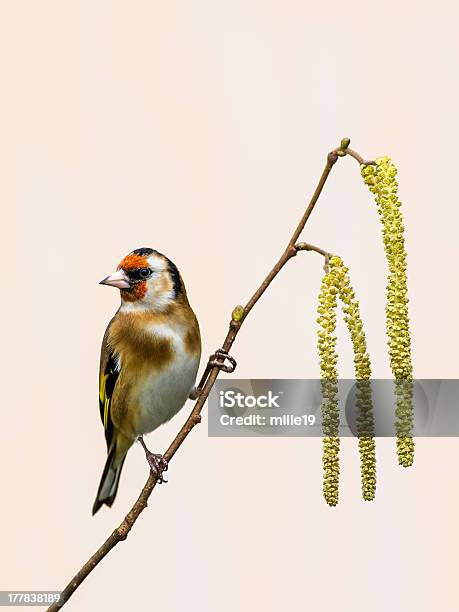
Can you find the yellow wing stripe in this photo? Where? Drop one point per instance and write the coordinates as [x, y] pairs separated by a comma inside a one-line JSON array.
[[103, 398], [107, 402], [103, 382], [107, 382]]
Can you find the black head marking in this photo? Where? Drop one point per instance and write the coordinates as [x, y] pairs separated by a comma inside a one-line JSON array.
[[175, 276], [143, 252]]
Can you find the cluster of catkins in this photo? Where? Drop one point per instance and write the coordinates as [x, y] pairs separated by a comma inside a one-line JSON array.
[[381, 180], [336, 283]]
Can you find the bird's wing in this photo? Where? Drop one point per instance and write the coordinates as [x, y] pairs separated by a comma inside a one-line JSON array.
[[108, 376]]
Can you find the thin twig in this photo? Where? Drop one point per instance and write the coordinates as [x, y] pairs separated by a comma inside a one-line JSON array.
[[122, 531], [360, 159], [305, 246]]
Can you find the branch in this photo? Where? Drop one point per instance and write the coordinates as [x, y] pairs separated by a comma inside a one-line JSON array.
[[238, 317]]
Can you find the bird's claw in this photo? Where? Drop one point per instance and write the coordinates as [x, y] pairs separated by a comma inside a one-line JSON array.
[[158, 465], [221, 354], [216, 360]]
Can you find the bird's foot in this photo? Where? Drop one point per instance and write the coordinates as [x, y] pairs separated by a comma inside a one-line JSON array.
[[158, 465], [217, 360], [156, 461]]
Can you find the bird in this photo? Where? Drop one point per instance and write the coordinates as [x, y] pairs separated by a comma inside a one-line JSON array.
[[149, 360]]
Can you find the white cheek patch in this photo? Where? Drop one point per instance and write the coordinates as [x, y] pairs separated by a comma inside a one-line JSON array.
[[156, 299], [160, 301], [157, 263], [161, 287]]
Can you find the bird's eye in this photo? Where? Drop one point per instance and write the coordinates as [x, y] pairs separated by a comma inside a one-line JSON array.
[[144, 272]]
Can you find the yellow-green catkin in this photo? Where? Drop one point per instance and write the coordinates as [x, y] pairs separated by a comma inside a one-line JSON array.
[[362, 368], [381, 180], [330, 410]]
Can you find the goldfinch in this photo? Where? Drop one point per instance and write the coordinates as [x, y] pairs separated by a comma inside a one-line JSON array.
[[149, 360]]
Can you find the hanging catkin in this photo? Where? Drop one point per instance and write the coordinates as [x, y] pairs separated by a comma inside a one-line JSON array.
[[336, 283], [381, 180]]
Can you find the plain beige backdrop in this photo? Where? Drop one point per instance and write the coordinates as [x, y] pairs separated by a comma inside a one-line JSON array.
[[200, 128]]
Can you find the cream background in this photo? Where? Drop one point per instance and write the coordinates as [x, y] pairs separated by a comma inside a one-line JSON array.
[[200, 128]]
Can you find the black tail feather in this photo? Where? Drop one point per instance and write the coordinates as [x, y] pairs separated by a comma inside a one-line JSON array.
[[109, 482]]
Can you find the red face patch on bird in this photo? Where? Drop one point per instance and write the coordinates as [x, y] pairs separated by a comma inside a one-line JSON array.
[[132, 264], [137, 292]]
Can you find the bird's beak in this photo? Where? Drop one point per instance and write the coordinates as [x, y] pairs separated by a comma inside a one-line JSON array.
[[118, 279]]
